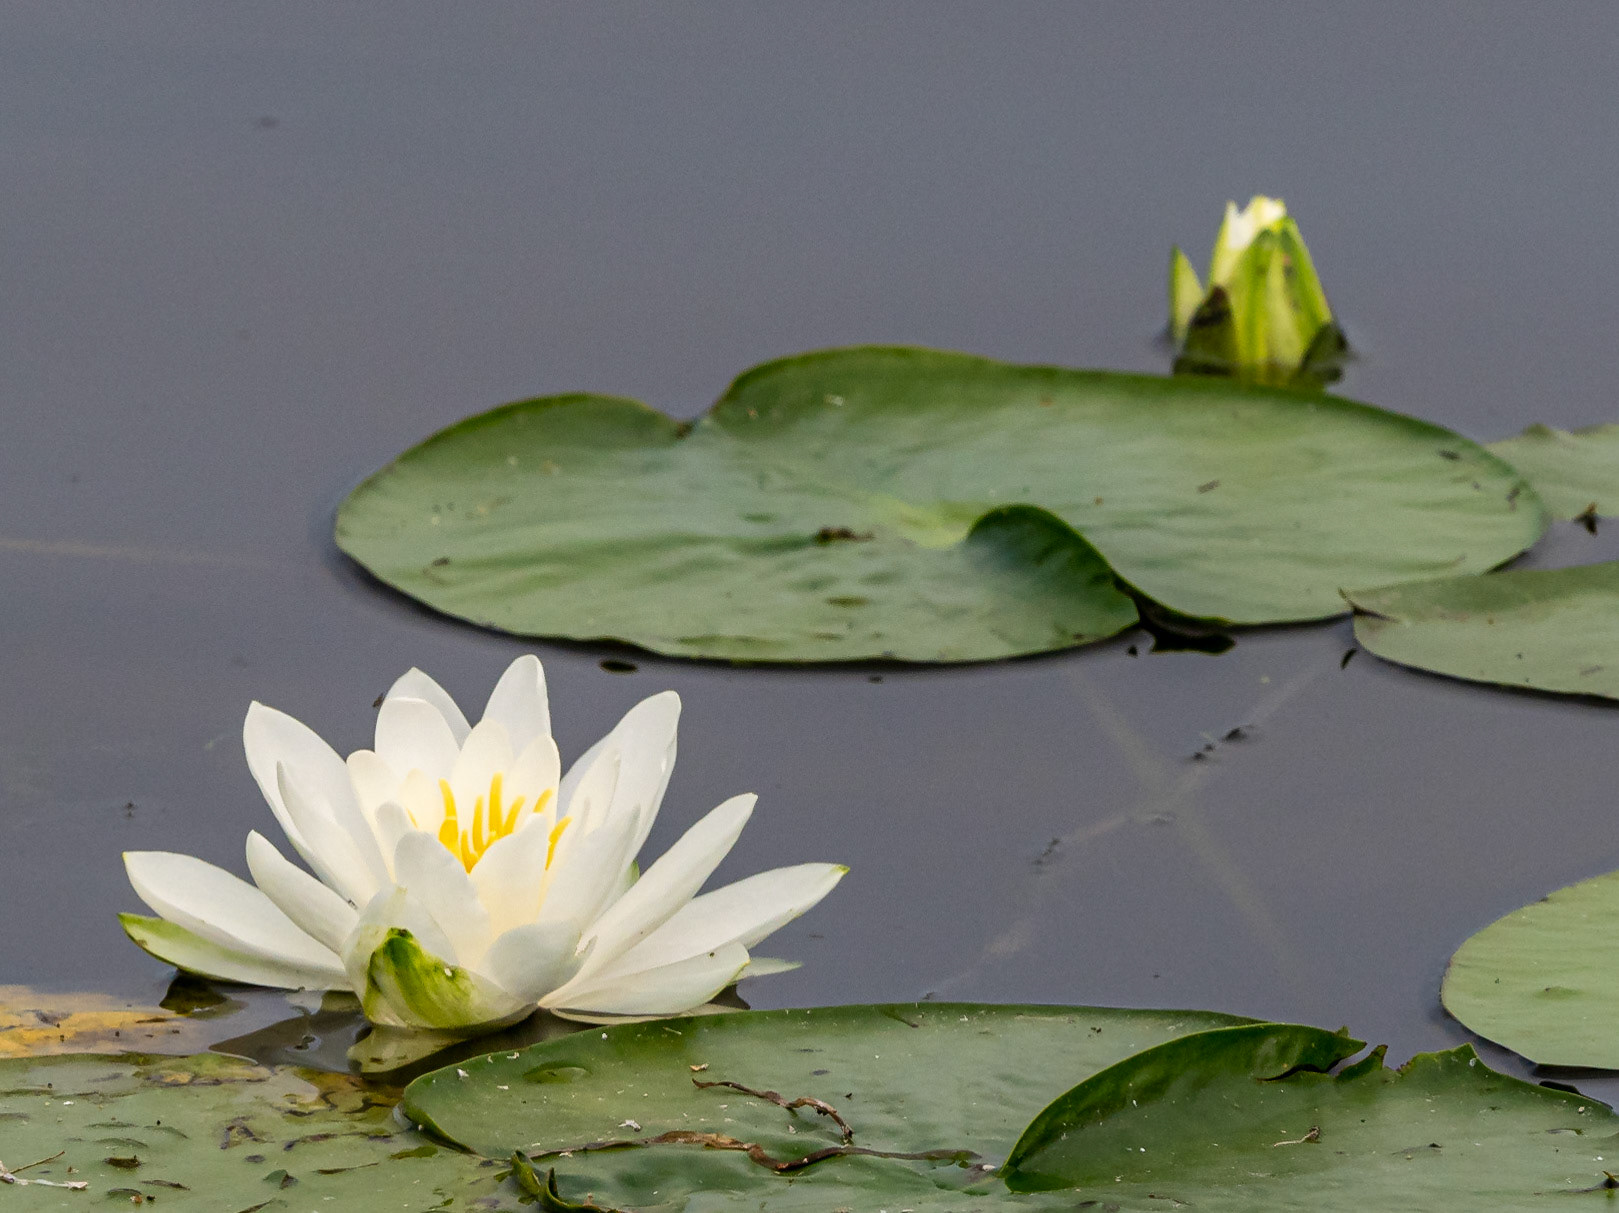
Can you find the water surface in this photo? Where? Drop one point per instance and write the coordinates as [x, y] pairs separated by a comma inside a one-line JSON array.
[[247, 256]]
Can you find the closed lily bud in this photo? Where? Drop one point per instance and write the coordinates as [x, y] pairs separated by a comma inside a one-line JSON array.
[[1263, 315]]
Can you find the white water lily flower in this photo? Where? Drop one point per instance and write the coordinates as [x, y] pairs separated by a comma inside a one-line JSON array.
[[461, 880]]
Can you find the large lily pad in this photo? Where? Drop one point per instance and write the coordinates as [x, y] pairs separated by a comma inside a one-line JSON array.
[[850, 504], [1576, 472], [220, 1135], [1194, 1109], [1545, 629], [1248, 1118], [952, 1078], [1543, 980]]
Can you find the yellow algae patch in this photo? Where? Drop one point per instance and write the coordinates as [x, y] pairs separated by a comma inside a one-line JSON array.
[[38, 1024]]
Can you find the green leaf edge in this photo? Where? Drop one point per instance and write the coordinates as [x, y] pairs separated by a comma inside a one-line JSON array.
[[1264, 1051], [1462, 1004], [660, 424], [412, 1108], [1372, 613]]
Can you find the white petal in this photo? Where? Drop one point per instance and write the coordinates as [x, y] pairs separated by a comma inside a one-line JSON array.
[[642, 749], [409, 985], [313, 908], [436, 879], [271, 737], [373, 779], [393, 823], [222, 909], [669, 883], [744, 912], [181, 948], [413, 736], [519, 702], [344, 811], [535, 772], [581, 887], [510, 876], [487, 751], [670, 990], [591, 804], [646, 742], [328, 848], [423, 798], [530, 961], [413, 684], [580, 768]]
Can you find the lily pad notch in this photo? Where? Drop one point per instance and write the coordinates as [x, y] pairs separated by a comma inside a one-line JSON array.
[[921, 505]]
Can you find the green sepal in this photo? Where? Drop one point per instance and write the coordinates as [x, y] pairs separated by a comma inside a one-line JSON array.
[[1274, 325], [1246, 285], [1324, 357], [406, 982], [1224, 257], [1185, 294], [1210, 345], [1286, 331], [1308, 297], [191, 953]]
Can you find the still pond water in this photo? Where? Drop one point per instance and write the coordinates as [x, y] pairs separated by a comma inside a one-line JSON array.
[[246, 257]]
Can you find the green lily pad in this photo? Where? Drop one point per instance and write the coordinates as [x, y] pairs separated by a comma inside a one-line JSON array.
[[1200, 1109], [1576, 472], [1544, 629], [1167, 1096], [1249, 1118], [852, 504], [1542, 981], [956, 1080], [221, 1135]]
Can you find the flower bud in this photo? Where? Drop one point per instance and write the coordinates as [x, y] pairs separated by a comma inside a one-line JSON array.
[[1264, 315]]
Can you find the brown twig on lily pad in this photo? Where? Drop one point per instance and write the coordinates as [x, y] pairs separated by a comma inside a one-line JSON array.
[[756, 1152], [781, 1101], [1310, 1138], [12, 1177]]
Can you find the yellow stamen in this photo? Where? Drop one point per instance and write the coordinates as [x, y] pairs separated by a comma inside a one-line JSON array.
[[556, 837], [505, 824], [496, 820], [449, 833], [490, 821]]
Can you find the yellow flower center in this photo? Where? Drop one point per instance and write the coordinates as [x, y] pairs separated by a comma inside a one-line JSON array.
[[489, 820]]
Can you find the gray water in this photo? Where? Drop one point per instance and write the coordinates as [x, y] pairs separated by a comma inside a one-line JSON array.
[[248, 255]]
